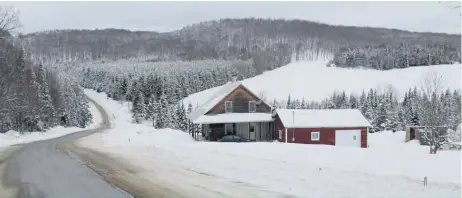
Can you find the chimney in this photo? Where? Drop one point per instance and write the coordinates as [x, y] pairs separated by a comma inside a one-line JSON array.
[[234, 77]]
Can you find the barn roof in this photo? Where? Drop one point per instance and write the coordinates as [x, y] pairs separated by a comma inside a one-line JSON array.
[[320, 118], [224, 91]]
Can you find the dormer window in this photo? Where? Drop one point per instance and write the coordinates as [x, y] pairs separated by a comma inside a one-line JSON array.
[[252, 106], [229, 106]]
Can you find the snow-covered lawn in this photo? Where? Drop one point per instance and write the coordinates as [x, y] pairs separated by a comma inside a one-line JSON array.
[[13, 137], [388, 168]]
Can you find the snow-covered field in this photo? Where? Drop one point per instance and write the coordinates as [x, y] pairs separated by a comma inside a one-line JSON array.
[[13, 137], [389, 168], [315, 81]]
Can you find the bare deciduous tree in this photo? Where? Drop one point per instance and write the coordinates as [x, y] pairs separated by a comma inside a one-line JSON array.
[[431, 116], [9, 20]]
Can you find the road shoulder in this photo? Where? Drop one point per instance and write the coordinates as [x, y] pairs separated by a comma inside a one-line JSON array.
[[118, 173], [5, 153]]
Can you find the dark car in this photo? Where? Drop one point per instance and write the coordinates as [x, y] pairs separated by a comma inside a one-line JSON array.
[[233, 138]]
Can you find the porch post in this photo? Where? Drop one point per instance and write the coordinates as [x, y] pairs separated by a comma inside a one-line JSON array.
[[260, 131]]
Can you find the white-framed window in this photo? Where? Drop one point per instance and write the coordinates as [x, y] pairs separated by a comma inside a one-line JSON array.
[[252, 106], [229, 106], [280, 134], [315, 136]]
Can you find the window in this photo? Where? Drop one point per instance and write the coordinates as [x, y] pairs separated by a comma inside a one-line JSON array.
[[252, 106], [315, 136], [280, 134], [229, 106]]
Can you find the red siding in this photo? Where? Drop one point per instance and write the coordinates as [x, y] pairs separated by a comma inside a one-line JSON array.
[[279, 126], [303, 135]]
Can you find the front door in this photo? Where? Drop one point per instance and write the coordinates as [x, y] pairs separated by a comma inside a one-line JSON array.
[[252, 129], [229, 129]]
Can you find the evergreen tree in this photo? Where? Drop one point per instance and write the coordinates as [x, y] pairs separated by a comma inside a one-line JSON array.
[[139, 108], [353, 102], [303, 104], [382, 116], [182, 120], [163, 118], [46, 110], [150, 108], [289, 103], [157, 121]]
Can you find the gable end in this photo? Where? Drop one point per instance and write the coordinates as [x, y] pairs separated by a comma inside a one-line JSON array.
[[240, 98]]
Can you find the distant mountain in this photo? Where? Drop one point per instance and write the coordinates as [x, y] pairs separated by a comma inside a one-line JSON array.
[[269, 43]]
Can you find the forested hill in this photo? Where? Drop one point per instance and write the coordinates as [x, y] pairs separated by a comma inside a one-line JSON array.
[[269, 43]]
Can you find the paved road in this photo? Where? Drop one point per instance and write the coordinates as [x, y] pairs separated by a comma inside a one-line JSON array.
[[39, 169]]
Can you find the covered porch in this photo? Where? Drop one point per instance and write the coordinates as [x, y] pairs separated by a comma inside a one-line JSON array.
[[252, 126]]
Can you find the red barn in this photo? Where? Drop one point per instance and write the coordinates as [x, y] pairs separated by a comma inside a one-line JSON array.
[[340, 127]]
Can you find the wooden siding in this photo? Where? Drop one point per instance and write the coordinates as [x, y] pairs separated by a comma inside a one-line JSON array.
[[240, 98], [279, 126], [303, 135], [327, 135]]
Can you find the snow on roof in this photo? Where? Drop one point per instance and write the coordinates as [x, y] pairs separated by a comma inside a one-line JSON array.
[[234, 118], [214, 99], [224, 91], [314, 118]]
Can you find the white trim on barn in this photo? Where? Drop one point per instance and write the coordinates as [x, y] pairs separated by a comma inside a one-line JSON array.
[[316, 137]]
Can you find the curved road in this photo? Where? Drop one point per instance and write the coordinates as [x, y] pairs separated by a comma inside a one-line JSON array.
[[39, 169]]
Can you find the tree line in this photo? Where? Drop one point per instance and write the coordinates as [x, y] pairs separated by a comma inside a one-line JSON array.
[[156, 89], [389, 56], [385, 111], [34, 98], [269, 43]]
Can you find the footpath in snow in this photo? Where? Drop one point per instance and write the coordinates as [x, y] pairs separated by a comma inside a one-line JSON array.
[[13, 137], [389, 168]]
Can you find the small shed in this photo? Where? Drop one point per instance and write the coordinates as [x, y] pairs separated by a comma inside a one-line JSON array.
[[414, 133], [339, 127]]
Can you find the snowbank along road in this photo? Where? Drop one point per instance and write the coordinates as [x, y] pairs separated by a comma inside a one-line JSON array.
[[39, 169]]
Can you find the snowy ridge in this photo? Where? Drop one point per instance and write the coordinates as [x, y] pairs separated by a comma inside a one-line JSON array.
[[313, 118], [314, 81]]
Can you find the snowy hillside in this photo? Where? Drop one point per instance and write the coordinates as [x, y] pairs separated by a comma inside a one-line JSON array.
[[315, 81]]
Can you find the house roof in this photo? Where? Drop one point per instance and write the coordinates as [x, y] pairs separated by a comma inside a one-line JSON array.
[[224, 91], [233, 118], [320, 118]]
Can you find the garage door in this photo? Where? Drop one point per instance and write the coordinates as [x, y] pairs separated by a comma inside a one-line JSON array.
[[348, 138]]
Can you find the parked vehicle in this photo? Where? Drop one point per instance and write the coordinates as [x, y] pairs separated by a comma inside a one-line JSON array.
[[232, 138]]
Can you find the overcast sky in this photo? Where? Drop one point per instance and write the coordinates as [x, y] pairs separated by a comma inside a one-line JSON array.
[[167, 16]]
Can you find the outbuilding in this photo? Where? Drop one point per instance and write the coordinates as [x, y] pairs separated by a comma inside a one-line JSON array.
[[339, 127]]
